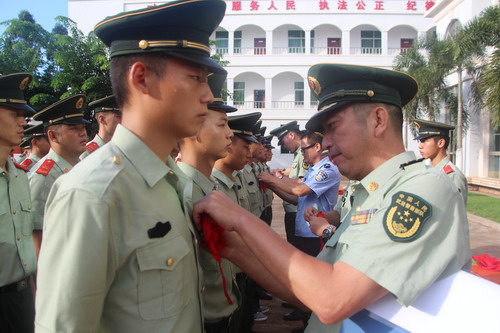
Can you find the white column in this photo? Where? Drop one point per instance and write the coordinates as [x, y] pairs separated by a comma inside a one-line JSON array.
[[308, 41], [230, 90], [230, 43], [307, 94], [385, 42], [346, 42], [269, 93], [269, 43]]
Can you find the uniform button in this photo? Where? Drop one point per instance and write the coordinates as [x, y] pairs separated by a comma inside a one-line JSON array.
[[373, 186], [14, 212], [203, 289], [23, 284], [170, 262], [171, 172], [29, 207], [25, 264], [65, 169], [18, 238], [117, 159], [196, 241]]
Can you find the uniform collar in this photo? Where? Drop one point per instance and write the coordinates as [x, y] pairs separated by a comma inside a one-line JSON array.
[[206, 184], [378, 177], [442, 163], [97, 139], [219, 175], [11, 171], [147, 163], [60, 161], [318, 165]]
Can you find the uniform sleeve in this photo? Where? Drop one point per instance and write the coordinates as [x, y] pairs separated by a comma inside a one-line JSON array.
[[76, 264], [323, 180], [406, 268], [39, 193]]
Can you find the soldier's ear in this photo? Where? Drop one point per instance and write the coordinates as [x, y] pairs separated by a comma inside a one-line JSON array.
[[441, 143]]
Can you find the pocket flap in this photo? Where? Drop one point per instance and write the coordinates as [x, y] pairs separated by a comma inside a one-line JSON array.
[[164, 255]]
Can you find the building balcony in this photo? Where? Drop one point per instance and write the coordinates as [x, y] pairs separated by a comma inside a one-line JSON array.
[[275, 105]]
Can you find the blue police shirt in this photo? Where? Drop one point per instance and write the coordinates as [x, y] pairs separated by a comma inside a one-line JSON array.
[[324, 180]]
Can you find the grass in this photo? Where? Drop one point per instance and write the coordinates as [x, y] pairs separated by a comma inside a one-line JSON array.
[[484, 206]]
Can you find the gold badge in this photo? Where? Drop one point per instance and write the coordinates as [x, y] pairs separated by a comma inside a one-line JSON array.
[[117, 159], [405, 217], [24, 83], [370, 93], [373, 186], [314, 84], [143, 44], [79, 103], [305, 165]]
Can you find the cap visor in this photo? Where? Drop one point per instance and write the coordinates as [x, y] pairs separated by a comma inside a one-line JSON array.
[[249, 138], [316, 122], [28, 111], [221, 107], [75, 121], [212, 65]]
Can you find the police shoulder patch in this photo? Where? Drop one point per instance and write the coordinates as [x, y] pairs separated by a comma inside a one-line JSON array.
[[321, 176], [405, 217]]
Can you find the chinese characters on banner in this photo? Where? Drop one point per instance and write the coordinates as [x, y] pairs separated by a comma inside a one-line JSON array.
[[325, 5]]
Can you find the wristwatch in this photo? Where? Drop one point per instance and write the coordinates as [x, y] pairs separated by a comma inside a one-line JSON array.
[[328, 232]]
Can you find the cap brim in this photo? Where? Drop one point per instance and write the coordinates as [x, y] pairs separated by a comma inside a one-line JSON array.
[[221, 107], [424, 136], [316, 122], [212, 65], [74, 121], [28, 111], [249, 138]]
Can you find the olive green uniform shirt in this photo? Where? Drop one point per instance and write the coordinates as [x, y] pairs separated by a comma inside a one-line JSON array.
[[40, 185], [297, 170], [215, 304], [456, 176], [250, 183], [267, 193], [16, 226], [396, 196], [226, 184], [119, 254], [97, 139], [29, 162]]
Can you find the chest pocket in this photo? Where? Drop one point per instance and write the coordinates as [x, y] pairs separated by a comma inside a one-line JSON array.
[[162, 278], [27, 217]]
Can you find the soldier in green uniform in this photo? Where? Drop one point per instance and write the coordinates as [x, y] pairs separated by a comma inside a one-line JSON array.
[[65, 127], [289, 136], [434, 139], [108, 116], [18, 263], [199, 154], [120, 253], [404, 215], [36, 140], [265, 156]]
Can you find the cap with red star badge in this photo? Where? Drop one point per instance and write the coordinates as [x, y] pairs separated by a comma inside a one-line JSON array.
[[429, 129], [12, 88], [67, 111]]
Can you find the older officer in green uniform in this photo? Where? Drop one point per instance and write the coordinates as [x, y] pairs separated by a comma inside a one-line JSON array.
[[65, 127], [406, 226], [108, 116], [288, 136], [120, 253], [18, 263], [199, 154], [35, 138], [434, 139]]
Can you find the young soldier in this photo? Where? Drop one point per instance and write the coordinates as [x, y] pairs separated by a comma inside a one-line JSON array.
[[65, 129], [108, 116], [395, 222], [121, 252], [434, 139], [18, 263], [199, 154], [35, 138], [266, 156]]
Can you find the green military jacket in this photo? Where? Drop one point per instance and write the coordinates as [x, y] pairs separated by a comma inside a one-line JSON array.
[[407, 228], [29, 162], [297, 170], [267, 193], [456, 176], [226, 184], [250, 183], [16, 226], [119, 253], [215, 305], [41, 178]]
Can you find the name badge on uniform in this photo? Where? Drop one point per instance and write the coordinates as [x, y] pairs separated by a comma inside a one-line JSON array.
[[362, 216]]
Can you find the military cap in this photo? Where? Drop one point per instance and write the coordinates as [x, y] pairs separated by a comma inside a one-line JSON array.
[[12, 92], [261, 132], [428, 129], [256, 128], [336, 85], [32, 132], [177, 28], [283, 130], [106, 104], [216, 83], [243, 125], [67, 111]]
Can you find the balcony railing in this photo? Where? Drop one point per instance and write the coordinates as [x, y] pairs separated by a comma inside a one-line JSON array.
[[250, 105], [247, 51], [396, 51], [287, 105], [289, 50], [326, 50], [366, 50]]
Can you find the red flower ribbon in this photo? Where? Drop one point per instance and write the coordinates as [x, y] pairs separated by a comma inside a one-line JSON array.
[[262, 186]]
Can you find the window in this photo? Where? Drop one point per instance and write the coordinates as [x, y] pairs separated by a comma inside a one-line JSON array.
[[239, 93], [494, 155], [296, 41], [237, 42], [314, 99], [371, 42], [312, 41], [222, 41], [299, 93]]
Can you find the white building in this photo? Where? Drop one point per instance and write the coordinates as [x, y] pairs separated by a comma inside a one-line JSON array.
[[270, 45]]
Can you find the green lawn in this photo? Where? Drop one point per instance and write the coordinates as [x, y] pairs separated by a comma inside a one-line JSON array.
[[484, 206]]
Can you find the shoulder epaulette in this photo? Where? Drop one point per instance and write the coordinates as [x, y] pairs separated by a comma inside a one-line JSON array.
[[21, 166], [402, 166], [46, 166], [91, 146], [447, 169], [26, 163]]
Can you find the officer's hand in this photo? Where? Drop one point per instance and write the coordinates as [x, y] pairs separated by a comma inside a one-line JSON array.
[[310, 212], [317, 225], [220, 208], [265, 177]]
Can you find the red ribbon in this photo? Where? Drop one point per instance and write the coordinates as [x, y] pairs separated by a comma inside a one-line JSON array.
[[262, 186], [213, 238]]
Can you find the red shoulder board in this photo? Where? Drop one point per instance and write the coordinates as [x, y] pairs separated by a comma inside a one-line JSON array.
[[91, 146], [447, 169], [44, 169], [22, 166], [26, 163]]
